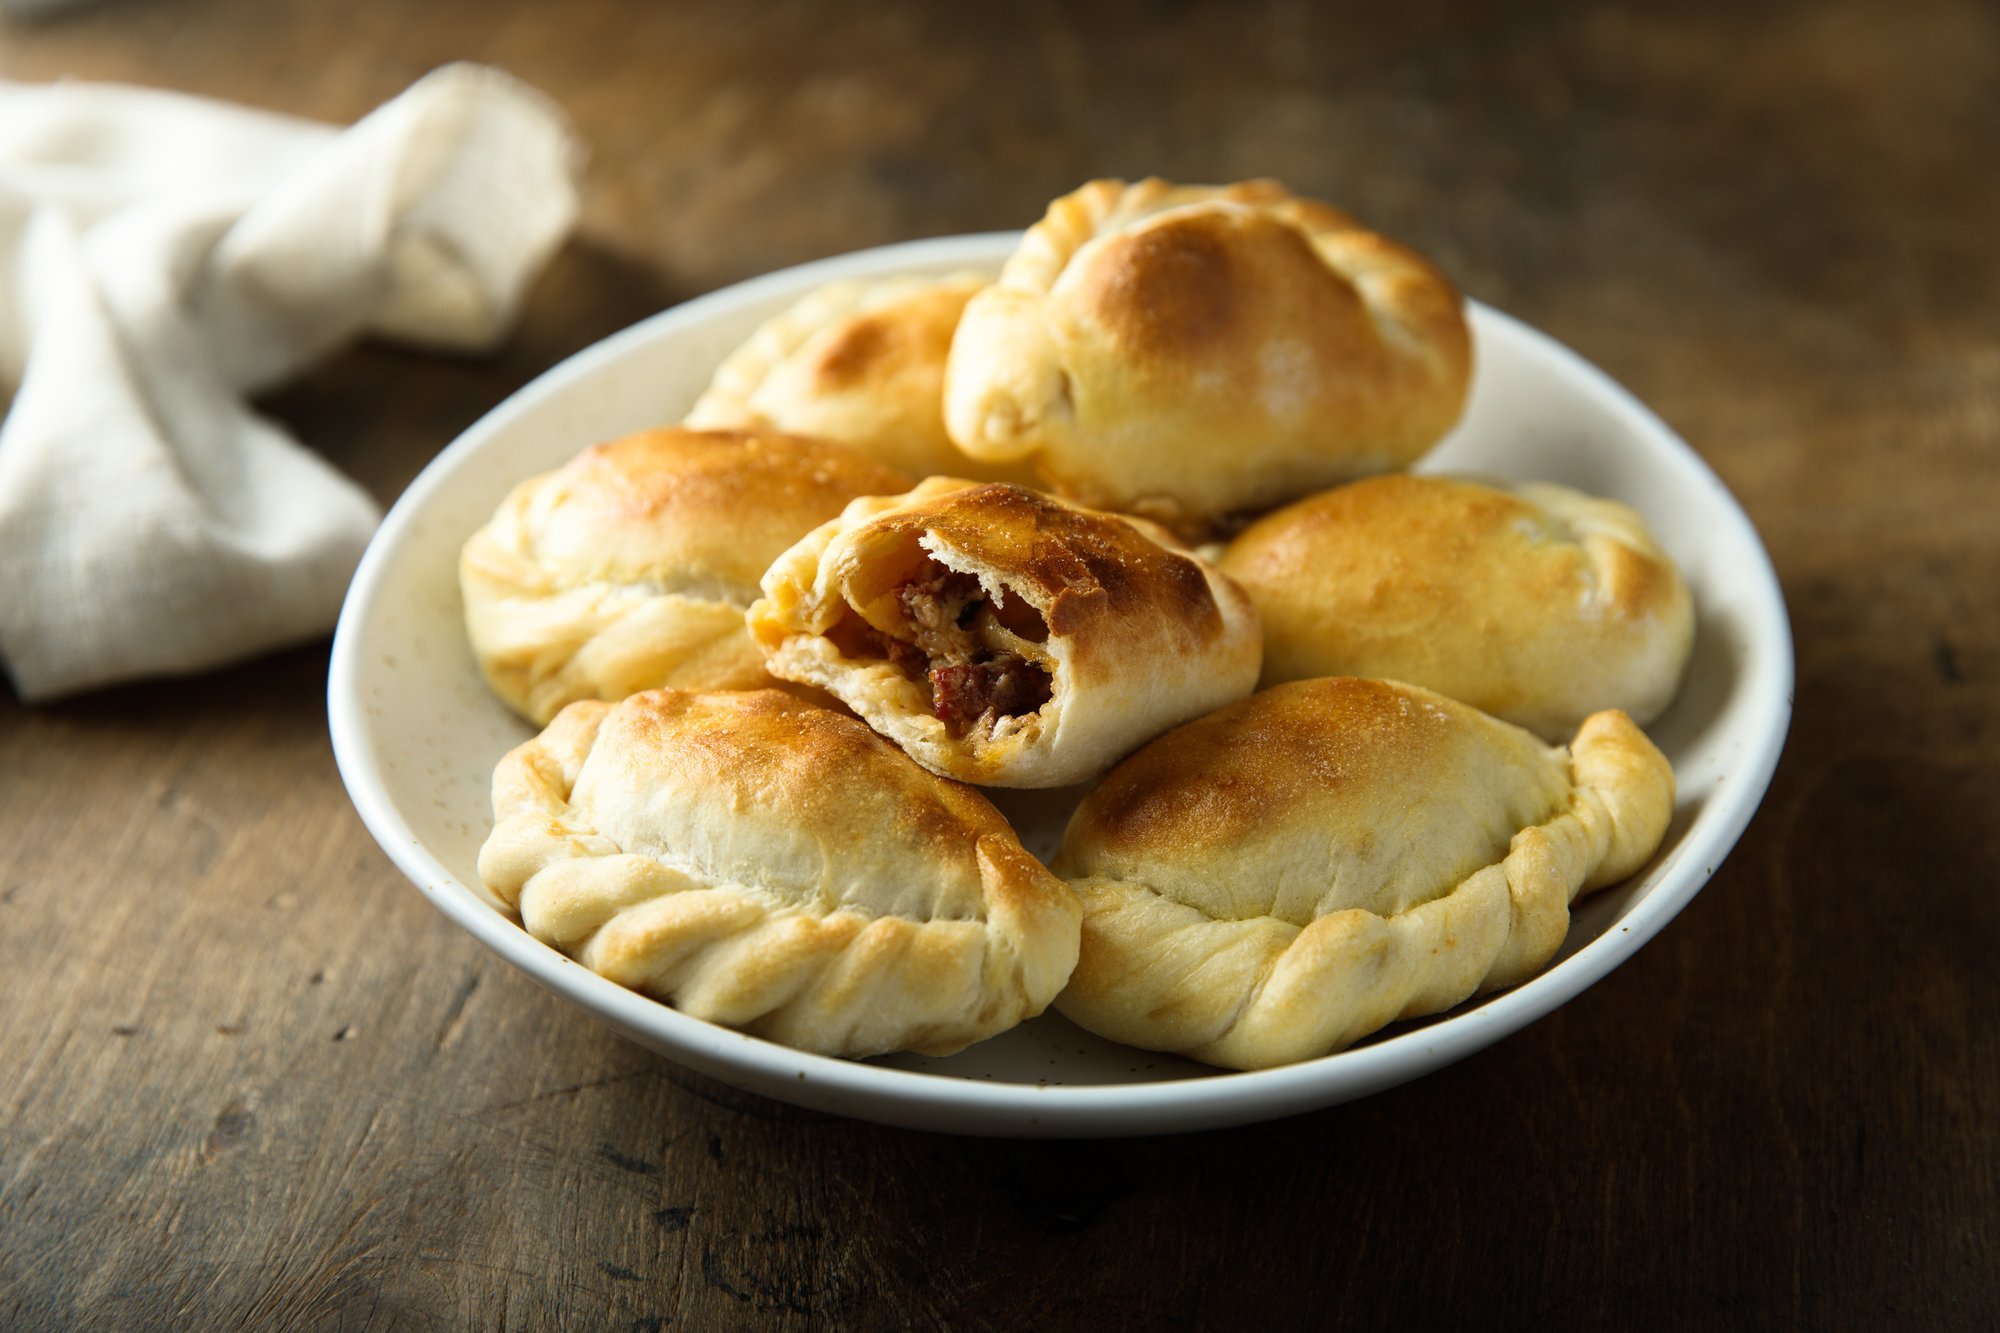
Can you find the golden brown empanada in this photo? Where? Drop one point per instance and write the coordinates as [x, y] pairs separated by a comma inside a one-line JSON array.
[[761, 862], [859, 363], [1286, 875], [1539, 604], [631, 566], [1004, 637], [1196, 352]]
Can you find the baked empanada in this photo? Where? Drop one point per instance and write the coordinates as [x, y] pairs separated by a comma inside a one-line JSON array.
[[630, 566], [1192, 353], [859, 363], [1286, 875], [1004, 637], [761, 862], [1540, 604]]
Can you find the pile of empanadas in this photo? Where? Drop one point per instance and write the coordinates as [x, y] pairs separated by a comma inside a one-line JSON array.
[[922, 536]]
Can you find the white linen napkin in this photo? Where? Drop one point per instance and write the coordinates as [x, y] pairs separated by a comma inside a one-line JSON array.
[[161, 257]]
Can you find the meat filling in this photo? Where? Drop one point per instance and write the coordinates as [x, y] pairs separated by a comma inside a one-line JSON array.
[[981, 693], [962, 643]]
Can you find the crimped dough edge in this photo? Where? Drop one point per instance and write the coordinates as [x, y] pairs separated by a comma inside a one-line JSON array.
[[838, 981], [1308, 991]]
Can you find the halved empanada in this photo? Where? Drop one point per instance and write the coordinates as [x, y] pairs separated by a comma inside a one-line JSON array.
[[859, 363], [1193, 353], [630, 566], [1284, 876], [1540, 604], [761, 862], [1004, 637]]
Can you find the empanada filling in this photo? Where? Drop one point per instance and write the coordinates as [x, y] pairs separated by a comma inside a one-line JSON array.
[[968, 647]]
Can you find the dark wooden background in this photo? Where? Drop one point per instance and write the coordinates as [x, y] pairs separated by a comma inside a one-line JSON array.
[[249, 1079]]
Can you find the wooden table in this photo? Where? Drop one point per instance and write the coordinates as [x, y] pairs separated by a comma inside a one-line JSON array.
[[249, 1078]]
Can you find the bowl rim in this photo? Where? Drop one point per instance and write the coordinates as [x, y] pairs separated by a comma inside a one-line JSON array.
[[924, 1098]]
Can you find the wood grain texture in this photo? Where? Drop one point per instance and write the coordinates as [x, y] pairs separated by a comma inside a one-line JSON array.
[[249, 1079]]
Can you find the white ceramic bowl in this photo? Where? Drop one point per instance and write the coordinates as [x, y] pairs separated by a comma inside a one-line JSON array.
[[416, 734]]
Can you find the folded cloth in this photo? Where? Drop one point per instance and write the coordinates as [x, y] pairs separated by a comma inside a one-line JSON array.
[[161, 257]]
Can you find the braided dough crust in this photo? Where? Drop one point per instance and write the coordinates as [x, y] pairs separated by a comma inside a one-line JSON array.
[[767, 864], [1194, 352], [630, 566], [1538, 604], [1285, 876], [1137, 634], [859, 363]]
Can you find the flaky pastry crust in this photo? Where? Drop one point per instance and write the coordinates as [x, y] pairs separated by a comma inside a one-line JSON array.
[[630, 566], [1193, 353], [760, 862], [1103, 630], [859, 363], [1538, 604], [1285, 876]]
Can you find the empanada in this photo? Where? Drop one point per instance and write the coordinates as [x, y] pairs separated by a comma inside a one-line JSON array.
[[1004, 637], [859, 363], [1284, 876], [1539, 604], [761, 862], [630, 567], [1193, 353]]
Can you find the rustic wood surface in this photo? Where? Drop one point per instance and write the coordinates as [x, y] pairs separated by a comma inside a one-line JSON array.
[[249, 1078]]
